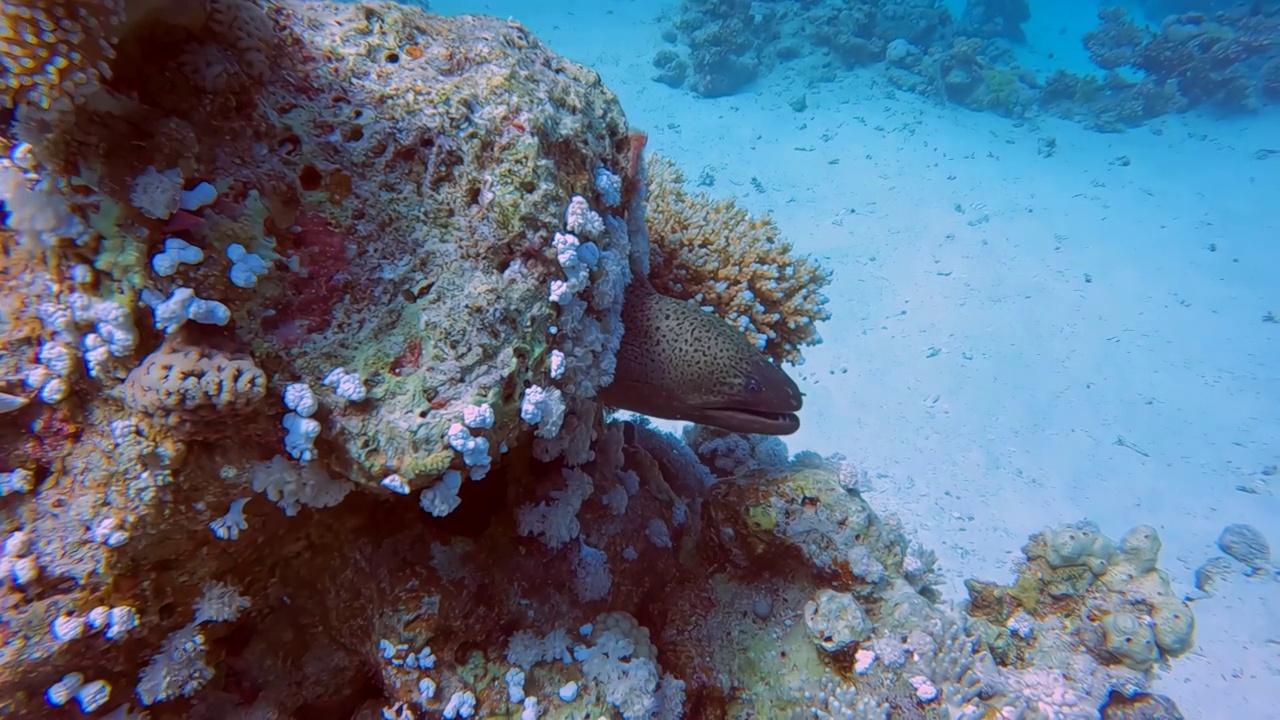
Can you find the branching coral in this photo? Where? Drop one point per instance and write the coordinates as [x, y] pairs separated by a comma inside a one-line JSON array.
[[715, 253], [1075, 574]]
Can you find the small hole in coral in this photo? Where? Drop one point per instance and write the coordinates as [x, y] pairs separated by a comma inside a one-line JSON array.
[[353, 133], [309, 178], [340, 185], [392, 58]]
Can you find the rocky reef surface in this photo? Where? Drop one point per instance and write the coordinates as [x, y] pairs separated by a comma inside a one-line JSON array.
[[303, 311]]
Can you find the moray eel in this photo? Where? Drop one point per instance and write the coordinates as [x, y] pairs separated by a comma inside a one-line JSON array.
[[679, 362]]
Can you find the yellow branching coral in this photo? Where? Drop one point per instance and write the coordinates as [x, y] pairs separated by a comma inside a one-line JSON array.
[[715, 253], [54, 48]]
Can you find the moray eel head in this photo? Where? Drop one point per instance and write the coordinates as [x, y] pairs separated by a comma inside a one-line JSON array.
[[680, 362], [755, 397]]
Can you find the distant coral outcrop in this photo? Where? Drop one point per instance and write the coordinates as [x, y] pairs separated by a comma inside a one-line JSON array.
[[1228, 58]]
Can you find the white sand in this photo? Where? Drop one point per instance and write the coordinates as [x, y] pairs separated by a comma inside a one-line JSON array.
[[947, 230]]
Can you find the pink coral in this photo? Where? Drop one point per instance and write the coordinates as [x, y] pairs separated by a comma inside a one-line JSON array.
[[311, 293]]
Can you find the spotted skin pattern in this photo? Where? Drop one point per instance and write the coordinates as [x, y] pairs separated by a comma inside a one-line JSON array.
[[680, 362]]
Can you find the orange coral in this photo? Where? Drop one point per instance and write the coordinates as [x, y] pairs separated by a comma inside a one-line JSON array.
[[717, 254]]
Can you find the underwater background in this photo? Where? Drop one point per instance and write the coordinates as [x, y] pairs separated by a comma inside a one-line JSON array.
[[319, 326]]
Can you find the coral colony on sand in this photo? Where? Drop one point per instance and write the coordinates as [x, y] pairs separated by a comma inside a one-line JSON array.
[[1228, 59], [303, 311]]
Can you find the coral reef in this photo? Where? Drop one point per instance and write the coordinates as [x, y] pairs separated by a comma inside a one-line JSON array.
[[1229, 59], [858, 33], [279, 266], [1208, 59], [727, 45], [727, 42], [361, 277], [463, 203], [1078, 587], [968, 71]]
